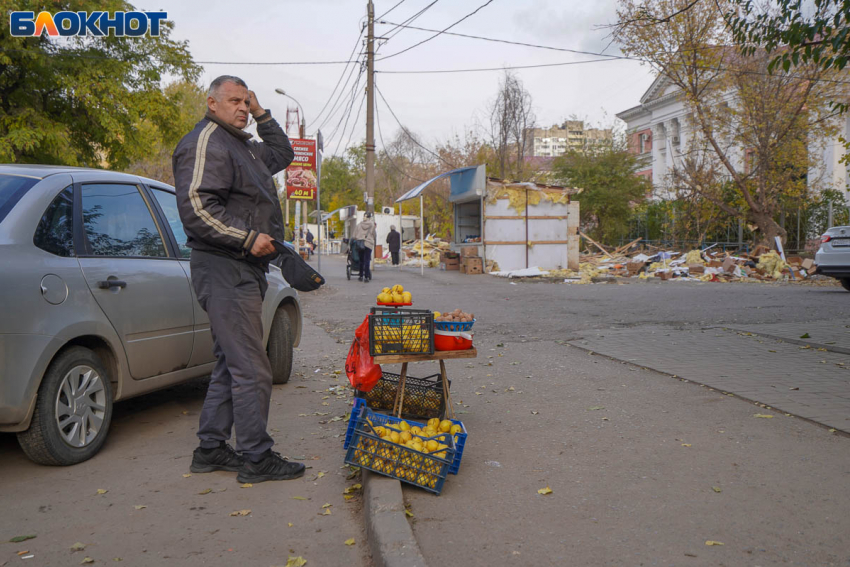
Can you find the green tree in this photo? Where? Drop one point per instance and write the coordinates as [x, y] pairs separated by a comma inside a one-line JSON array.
[[610, 188], [85, 100], [189, 101]]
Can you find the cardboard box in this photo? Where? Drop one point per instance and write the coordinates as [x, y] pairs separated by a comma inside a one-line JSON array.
[[469, 251], [634, 268], [472, 265], [449, 257], [449, 267], [665, 276], [728, 265], [808, 265], [696, 269], [715, 264]]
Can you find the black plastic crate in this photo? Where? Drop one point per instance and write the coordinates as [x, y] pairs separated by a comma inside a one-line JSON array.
[[423, 397], [394, 330]]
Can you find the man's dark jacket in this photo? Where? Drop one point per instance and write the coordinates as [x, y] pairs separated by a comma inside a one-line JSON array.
[[225, 191], [394, 240]]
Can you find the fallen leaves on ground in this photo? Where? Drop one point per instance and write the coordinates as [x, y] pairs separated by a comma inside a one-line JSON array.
[[763, 415], [408, 513], [20, 538], [295, 561], [78, 546], [205, 491], [290, 524], [246, 485], [139, 506], [545, 491], [805, 336], [352, 488], [349, 541], [711, 542], [686, 444], [326, 505], [240, 513], [298, 498], [187, 475], [327, 512], [86, 560], [102, 491], [595, 408], [717, 489]]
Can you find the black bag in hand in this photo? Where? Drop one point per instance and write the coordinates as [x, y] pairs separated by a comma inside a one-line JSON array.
[[297, 273]]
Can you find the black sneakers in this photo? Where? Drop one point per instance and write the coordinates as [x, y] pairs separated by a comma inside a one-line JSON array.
[[271, 467], [222, 458]]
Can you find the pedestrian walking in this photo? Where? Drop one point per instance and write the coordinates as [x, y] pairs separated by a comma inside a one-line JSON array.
[[365, 235], [394, 242], [231, 215], [310, 241]]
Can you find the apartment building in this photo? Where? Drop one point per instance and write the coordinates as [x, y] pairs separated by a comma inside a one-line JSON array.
[[557, 140]]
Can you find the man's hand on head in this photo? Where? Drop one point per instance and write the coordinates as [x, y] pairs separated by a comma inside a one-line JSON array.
[[255, 109], [262, 246]]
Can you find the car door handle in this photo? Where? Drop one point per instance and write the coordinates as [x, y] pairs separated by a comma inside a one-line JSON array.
[[109, 284]]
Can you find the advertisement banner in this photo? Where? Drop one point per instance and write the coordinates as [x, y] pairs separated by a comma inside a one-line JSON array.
[[301, 174]]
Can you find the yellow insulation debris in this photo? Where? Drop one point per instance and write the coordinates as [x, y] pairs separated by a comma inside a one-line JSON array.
[[694, 257], [772, 263]]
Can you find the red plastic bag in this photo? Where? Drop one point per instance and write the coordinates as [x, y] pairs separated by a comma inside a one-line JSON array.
[[360, 367]]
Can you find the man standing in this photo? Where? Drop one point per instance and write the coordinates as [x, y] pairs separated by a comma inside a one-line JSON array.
[[394, 242], [365, 235], [231, 214]]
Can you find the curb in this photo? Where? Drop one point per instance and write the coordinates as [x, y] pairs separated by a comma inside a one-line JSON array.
[[390, 537]]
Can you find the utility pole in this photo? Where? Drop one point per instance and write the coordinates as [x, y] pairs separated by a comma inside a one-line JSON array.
[[370, 109]]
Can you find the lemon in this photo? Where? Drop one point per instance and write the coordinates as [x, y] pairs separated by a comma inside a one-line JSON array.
[[404, 426], [394, 437], [432, 445], [445, 425], [416, 430], [405, 436], [386, 290], [407, 296], [456, 429], [433, 422], [437, 314]]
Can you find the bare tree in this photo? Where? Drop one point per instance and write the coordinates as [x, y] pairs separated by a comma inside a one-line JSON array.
[[511, 116]]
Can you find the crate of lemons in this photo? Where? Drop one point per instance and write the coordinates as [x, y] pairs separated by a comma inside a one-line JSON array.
[[395, 295], [417, 455]]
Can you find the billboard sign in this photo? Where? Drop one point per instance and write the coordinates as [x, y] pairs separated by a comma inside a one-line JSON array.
[[301, 180]]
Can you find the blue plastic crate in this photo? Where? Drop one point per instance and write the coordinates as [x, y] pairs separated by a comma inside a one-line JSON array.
[[453, 326], [369, 451], [355, 411], [460, 442]]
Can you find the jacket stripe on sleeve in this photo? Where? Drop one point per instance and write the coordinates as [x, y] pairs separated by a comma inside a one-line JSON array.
[[197, 179]]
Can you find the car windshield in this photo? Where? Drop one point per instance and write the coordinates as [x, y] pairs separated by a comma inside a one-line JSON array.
[[12, 188]]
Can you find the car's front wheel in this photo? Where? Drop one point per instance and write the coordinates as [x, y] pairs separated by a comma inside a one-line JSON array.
[[280, 347], [845, 283], [72, 412]]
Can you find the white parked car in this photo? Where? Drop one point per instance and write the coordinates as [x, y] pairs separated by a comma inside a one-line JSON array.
[[833, 256]]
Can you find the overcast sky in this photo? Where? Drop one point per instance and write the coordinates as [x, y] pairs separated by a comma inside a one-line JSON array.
[[435, 106]]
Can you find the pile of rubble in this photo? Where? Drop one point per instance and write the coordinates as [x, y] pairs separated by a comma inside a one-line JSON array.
[[697, 265]]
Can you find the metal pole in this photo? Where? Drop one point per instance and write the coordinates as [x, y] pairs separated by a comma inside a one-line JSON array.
[[370, 109], [526, 229], [319, 223], [829, 219], [400, 236], [421, 235], [798, 229]]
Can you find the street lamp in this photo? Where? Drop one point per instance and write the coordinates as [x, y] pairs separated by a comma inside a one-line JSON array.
[[303, 132]]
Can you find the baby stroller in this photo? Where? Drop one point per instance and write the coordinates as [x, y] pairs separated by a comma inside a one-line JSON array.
[[352, 258]]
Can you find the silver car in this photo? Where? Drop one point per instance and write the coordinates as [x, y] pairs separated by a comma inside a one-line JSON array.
[[97, 306], [833, 256]]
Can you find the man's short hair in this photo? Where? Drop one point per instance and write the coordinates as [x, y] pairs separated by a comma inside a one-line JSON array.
[[218, 81]]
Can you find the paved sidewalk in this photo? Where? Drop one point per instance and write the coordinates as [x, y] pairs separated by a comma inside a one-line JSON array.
[[800, 380], [832, 335]]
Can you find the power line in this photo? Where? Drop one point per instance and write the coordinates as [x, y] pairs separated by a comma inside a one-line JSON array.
[[391, 9], [506, 41], [387, 152], [496, 68], [77, 55], [410, 19], [353, 128], [409, 135], [334, 107], [341, 75], [350, 104], [481, 7]]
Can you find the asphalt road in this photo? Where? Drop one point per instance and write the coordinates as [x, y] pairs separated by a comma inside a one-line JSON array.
[[644, 468]]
